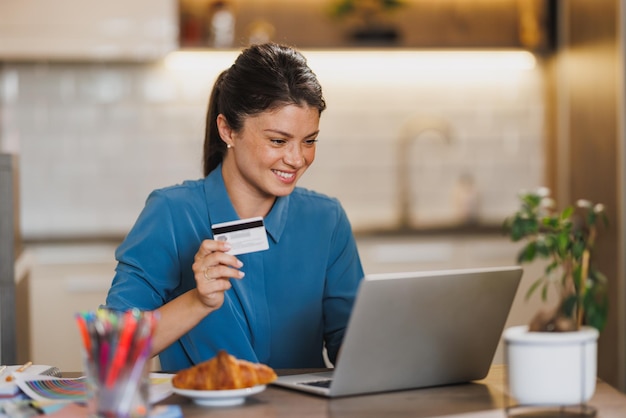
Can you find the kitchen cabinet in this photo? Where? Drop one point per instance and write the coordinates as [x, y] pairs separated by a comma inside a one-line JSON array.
[[372, 23], [64, 279], [135, 30]]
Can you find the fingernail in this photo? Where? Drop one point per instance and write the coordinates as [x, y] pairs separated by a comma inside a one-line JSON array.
[[241, 274], [239, 263]]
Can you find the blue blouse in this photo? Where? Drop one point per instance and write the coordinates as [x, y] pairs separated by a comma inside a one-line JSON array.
[[295, 297]]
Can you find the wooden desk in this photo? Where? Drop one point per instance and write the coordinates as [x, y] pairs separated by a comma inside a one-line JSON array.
[[471, 398]]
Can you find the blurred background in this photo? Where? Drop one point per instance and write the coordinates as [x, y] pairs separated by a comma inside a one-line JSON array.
[[439, 113]]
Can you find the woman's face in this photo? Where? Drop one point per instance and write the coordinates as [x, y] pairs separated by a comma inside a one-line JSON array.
[[272, 150]]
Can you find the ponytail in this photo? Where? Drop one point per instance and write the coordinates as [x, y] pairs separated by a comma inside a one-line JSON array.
[[214, 147]]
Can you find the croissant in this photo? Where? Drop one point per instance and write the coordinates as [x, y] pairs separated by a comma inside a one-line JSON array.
[[223, 371]]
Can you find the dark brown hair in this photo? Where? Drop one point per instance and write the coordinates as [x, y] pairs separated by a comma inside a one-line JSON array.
[[263, 77]]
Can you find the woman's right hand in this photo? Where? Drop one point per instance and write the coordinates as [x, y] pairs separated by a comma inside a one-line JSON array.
[[213, 269]]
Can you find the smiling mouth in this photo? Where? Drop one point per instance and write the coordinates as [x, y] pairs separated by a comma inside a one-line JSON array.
[[284, 175]]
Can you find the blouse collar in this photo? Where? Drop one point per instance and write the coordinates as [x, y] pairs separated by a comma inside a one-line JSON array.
[[221, 209]]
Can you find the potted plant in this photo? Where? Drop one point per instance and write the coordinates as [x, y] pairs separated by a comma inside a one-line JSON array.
[[553, 360], [368, 19]]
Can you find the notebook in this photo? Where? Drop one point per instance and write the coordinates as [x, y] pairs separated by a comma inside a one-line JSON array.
[[418, 329]]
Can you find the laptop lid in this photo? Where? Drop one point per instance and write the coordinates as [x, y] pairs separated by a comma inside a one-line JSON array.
[[419, 329]]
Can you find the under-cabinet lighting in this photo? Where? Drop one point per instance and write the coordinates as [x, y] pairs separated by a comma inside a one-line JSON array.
[[395, 65], [200, 61]]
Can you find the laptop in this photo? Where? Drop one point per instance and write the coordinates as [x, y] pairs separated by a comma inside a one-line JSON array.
[[418, 329]]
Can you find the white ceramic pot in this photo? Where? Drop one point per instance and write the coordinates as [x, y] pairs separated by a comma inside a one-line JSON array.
[[551, 368]]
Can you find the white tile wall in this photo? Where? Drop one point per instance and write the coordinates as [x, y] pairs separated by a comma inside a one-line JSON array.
[[95, 139]]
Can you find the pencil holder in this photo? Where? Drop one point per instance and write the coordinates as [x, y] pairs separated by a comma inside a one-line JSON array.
[[116, 350]]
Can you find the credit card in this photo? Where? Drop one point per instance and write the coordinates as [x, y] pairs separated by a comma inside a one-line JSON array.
[[244, 235]]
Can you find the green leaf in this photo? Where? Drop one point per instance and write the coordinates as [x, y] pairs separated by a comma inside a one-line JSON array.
[[591, 217], [391, 4], [596, 311], [567, 212], [551, 267], [342, 8], [528, 253], [562, 239], [568, 306], [578, 247], [531, 200], [599, 278], [533, 287], [525, 226]]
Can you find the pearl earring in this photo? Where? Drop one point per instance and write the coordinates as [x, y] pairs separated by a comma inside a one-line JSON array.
[[228, 146]]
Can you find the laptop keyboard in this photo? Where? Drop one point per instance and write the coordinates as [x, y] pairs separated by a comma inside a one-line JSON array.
[[319, 383]]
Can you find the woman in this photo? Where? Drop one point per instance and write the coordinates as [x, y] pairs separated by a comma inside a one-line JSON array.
[[280, 306]]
